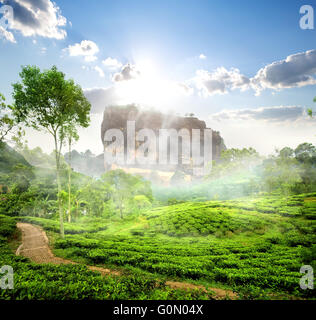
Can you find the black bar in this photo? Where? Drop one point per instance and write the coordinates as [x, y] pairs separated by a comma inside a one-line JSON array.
[[162, 309]]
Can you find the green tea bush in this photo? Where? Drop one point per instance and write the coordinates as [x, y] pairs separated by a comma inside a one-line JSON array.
[[261, 264], [194, 219], [70, 228]]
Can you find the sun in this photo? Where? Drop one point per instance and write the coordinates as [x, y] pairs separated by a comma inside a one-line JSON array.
[[147, 68], [149, 88]]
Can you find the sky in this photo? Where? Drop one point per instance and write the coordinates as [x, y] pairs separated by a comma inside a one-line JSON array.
[[247, 68]]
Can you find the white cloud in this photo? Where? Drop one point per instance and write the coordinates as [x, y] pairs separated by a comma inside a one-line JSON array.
[[36, 18], [86, 48], [202, 56], [220, 81], [90, 58], [100, 98], [270, 114], [112, 63], [128, 72], [100, 71], [296, 70]]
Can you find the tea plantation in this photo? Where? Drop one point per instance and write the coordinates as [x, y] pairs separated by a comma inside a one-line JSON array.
[[75, 282], [255, 247]]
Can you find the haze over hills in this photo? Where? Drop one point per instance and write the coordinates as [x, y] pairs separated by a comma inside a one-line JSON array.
[[86, 163]]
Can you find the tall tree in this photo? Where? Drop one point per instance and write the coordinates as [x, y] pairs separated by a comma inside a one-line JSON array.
[[47, 102]]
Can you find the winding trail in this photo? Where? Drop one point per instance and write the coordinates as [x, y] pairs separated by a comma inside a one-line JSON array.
[[35, 246]]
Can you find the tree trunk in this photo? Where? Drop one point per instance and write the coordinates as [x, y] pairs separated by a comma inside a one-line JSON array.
[[61, 213], [121, 208], [77, 210], [121, 212], [69, 182]]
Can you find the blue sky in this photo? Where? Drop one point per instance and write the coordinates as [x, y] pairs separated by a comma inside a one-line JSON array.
[[170, 45]]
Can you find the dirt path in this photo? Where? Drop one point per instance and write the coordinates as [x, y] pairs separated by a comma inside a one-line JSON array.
[[35, 246]]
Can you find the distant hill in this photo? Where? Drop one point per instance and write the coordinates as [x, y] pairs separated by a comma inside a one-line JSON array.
[[86, 163], [37, 158], [9, 158]]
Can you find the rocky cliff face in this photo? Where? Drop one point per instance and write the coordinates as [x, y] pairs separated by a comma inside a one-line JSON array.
[[117, 117]]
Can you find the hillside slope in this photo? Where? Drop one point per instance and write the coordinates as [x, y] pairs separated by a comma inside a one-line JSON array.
[[9, 158]]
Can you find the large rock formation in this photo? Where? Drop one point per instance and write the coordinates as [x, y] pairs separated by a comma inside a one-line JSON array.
[[117, 117]]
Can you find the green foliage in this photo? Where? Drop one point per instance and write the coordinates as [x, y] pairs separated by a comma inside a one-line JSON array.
[[14, 204], [46, 101], [7, 123], [94, 195], [123, 188], [291, 171], [9, 158], [70, 228], [36, 157], [234, 160], [32, 191], [141, 201], [7, 227]]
